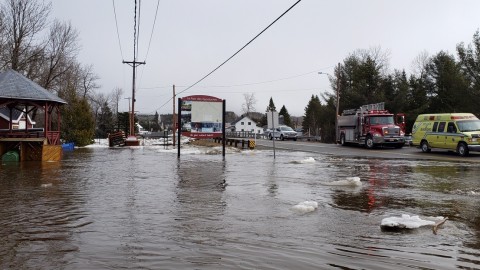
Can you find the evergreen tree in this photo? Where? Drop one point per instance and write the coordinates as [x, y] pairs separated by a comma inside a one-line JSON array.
[[271, 106], [447, 87], [286, 116], [313, 117], [327, 124], [361, 79], [105, 121], [77, 118], [470, 66], [124, 122], [156, 122]]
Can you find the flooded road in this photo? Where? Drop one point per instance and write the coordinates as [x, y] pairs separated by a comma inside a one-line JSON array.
[[143, 208]]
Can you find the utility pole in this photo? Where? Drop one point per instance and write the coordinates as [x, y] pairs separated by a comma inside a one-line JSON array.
[[174, 123], [338, 103], [134, 64], [132, 140]]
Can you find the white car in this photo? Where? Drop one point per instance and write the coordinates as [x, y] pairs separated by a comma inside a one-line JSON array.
[[283, 133]]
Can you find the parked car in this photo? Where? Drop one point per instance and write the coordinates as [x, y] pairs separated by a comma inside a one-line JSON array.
[[299, 132], [283, 133]]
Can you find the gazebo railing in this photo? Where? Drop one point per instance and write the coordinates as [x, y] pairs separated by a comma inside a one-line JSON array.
[[22, 133], [53, 137]]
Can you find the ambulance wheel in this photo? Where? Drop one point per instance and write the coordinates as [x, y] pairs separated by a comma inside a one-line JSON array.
[[462, 149], [342, 140], [369, 142], [425, 147]]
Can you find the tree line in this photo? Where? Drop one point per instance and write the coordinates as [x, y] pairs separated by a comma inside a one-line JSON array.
[[45, 51], [440, 83]]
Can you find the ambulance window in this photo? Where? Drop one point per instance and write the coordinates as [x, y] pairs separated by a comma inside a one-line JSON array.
[[441, 127], [435, 125], [451, 128]]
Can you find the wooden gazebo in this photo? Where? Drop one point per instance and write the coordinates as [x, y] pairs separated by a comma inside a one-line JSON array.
[[19, 94]]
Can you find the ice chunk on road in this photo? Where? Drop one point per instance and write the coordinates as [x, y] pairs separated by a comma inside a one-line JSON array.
[[304, 161], [406, 222], [349, 181], [305, 207]]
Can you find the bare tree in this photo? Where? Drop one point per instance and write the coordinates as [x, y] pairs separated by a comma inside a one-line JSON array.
[[379, 56], [116, 95], [97, 100], [2, 33], [59, 54], [23, 20], [419, 63], [88, 81], [249, 105]]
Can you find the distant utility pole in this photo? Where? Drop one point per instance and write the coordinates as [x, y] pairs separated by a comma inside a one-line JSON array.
[[174, 123]]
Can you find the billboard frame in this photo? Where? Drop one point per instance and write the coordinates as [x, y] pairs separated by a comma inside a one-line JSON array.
[[189, 106]]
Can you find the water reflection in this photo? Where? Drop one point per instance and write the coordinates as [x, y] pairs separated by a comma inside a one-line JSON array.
[[144, 208], [200, 202], [39, 215]]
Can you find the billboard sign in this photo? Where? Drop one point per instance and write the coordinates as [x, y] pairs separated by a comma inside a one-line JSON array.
[[201, 116]]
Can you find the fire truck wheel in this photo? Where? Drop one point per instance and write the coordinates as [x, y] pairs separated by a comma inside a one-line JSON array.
[[462, 149], [342, 140], [425, 147], [369, 142]]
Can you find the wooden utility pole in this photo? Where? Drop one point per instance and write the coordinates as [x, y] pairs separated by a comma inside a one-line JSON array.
[[174, 123], [132, 140], [338, 104], [134, 64]]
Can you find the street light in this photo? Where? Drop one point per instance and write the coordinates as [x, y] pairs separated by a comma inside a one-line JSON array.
[[337, 101]]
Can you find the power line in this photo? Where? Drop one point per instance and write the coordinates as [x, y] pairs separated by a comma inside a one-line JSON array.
[[116, 24], [248, 84], [138, 26], [150, 40], [153, 28], [244, 46]]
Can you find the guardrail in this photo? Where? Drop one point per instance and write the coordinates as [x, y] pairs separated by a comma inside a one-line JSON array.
[[245, 134], [237, 142]]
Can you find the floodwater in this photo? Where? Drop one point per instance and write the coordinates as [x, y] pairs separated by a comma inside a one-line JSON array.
[[142, 208]]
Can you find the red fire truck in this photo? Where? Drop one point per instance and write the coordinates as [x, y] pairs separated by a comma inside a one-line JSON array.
[[371, 126]]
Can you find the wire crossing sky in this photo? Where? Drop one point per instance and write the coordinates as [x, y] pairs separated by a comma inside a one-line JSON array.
[[188, 37]]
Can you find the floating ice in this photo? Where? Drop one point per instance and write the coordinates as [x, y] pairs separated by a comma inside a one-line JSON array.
[[305, 207], [304, 161], [407, 222], [349, 181]]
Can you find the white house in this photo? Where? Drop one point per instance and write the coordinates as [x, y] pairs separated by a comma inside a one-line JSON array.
[[246, 124]]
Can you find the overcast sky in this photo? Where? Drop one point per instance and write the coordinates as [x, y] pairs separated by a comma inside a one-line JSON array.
[[192, 37]]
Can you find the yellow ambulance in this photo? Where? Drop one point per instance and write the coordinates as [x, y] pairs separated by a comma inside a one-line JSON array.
[[459, 132]]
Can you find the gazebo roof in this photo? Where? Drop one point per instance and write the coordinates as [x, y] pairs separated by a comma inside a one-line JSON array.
[[15, 86]]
